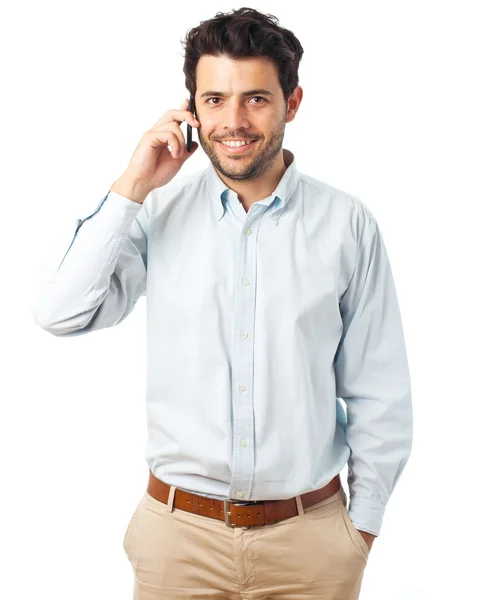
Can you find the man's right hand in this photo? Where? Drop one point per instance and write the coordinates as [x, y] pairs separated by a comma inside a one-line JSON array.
[[152, 164]]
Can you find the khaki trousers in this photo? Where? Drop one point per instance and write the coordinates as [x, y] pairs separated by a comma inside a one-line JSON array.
[[176, 554]]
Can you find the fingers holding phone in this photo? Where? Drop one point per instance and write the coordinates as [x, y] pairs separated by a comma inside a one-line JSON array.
[[161, 151], [188, 105]]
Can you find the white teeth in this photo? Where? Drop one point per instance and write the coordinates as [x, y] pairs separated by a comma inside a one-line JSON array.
[[236, 144]]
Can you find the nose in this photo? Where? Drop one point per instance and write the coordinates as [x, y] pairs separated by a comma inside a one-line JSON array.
[[235, 116]]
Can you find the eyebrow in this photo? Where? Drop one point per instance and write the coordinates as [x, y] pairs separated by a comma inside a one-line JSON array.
[[248, 93]]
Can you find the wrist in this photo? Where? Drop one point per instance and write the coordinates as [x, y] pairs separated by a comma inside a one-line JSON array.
[[130, 188]]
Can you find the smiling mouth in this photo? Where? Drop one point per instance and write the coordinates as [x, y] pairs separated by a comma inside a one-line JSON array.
[[237, 149]]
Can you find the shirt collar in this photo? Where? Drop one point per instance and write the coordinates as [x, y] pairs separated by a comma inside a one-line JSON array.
[[219, 191]]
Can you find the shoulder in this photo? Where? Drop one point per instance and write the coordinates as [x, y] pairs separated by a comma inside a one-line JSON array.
[[180, 187], [345, 207]]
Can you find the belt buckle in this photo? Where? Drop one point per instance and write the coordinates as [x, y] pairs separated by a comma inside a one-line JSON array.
[[227, 512]]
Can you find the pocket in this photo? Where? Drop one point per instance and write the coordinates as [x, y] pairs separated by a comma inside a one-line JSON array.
[[355, 536], [155, 505], [330, 500], [126, 538]]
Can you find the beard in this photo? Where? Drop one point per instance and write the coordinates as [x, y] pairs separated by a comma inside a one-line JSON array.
[[243, 168]]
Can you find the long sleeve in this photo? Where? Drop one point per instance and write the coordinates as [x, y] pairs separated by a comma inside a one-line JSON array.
[[372, 378], [102, 273]]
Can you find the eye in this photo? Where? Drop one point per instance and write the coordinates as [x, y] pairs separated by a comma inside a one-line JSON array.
[[215, 98]]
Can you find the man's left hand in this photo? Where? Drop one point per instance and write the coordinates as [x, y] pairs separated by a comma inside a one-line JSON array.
[[368, 537]]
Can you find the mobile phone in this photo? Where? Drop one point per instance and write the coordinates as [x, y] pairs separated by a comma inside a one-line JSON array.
[[189, 127]]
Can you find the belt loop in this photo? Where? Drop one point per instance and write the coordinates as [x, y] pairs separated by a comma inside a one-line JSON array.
[[299, 506], [171, 498]]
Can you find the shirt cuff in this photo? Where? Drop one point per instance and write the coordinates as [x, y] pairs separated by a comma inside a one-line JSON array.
[[367, 514]]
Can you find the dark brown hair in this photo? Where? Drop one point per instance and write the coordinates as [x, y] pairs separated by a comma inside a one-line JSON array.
[[244, 33]]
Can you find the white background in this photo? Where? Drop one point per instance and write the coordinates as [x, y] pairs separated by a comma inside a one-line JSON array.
[[393, 112]]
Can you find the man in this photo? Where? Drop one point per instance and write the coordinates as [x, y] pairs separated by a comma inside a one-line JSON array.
[[269, 298]]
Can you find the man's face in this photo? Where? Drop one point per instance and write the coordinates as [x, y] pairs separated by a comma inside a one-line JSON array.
[[230, 114]]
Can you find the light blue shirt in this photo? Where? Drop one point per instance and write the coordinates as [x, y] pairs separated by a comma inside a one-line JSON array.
[[275, 346]]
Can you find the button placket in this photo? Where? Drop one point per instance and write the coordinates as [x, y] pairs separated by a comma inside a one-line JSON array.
[[243, 446]]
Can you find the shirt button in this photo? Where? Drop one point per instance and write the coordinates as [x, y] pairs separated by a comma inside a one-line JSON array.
[[244, 443], [242, 387], [249, 231], [274, 216], [244, 334], [245, 281], [239, 493]]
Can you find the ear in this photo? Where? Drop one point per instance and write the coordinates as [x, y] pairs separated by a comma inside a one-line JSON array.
[[294, 102]]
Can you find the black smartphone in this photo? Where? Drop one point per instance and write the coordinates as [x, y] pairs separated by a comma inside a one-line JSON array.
[[189, 127]]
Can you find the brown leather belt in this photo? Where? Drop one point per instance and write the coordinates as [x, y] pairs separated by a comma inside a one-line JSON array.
[[262, 512]]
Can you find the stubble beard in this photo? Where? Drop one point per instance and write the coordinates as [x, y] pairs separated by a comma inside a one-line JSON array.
[[257, 165]]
